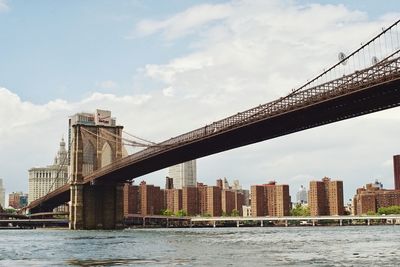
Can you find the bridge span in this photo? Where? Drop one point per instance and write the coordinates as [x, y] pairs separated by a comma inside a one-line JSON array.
[[368, 88]]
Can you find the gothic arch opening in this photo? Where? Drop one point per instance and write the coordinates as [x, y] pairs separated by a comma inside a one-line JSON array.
[[89, 158], [106, 154]]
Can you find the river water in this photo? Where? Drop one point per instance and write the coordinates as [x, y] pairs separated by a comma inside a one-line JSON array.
[[267, 246]]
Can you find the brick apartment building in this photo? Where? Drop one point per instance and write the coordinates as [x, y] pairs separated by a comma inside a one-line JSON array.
[[372, 197], [148, 199], [151, 199], [131, 199], [214, 207], [190, 201], [325, 197], [270, 200]]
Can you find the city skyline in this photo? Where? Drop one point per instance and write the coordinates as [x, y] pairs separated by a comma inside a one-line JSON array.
[[356, 151]]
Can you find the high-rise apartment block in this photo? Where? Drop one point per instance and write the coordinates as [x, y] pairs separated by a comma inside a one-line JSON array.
[[43, 180], [282, 201], [227, 201], [190, 200], [151, 199], [169, 199], [177, 200], [214, 207], [396, 167], [317, 198], [232, 200], [257, 200], [2, 194], [131, 199], [202, 198], [270, 200], [183, 175], [372, 197], [326, 197]]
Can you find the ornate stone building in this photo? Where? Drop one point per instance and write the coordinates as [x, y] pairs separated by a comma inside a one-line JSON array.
[[43, 180]]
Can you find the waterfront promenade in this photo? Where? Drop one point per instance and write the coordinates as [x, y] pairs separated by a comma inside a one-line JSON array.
[[312, 220], [173, 221]]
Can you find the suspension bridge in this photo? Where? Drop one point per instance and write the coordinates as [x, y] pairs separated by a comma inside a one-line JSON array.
[[365, 81]]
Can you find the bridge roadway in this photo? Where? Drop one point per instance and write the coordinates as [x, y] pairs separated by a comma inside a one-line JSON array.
[[369, 90]]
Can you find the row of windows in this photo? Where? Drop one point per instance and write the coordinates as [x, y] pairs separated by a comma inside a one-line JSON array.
[[48, 174]]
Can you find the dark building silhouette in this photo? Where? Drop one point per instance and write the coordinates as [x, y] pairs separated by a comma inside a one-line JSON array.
[[169, 183], [396, 167]]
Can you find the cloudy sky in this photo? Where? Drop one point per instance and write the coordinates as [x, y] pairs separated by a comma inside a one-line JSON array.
[[167, 67]]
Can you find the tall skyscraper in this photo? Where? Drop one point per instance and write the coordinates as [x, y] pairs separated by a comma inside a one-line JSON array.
[[396, 167], [2, 194], [301, 195], [43, 180], [184, 174], [326, 197]]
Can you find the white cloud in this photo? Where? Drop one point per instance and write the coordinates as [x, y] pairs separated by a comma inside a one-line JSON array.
[[169, 91], [4, 5], [108, 84], [262, 47], [185, 22]]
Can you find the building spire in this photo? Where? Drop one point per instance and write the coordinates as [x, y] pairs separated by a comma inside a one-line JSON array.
[[61, 156]]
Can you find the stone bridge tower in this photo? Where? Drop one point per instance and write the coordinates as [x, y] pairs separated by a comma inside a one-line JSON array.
[[95, 141]]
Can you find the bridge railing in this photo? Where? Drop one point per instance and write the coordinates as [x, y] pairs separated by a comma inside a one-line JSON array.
[[376, 50]]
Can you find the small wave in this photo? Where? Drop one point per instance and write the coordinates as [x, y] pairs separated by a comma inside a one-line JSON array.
[[109, 262]]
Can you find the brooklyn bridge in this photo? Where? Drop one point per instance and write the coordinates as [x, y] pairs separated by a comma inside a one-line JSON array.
[[365, 81]]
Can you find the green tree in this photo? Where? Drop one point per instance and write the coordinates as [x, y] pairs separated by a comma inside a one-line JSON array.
[[235, 213], [167, 212], [181, 213], [224, 214], [10, 210], [300, 210], [371, 213], [389, 210]]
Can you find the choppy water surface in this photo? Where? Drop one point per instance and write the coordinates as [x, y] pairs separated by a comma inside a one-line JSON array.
[[268, 246]]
